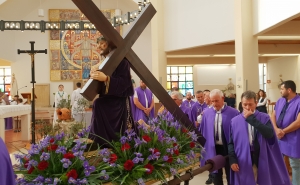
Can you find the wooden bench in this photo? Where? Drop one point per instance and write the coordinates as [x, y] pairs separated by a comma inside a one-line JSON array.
[[44, 115]]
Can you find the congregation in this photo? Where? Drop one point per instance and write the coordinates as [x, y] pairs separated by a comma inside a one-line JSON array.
[[254, 142], [228, 131]]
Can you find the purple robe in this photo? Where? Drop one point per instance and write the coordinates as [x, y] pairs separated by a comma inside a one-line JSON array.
[[7, 174], [289, 141], [271, 168], [185, 110], [139, 114], [110, 110], [188, 104], [207, 129], [197, 109]]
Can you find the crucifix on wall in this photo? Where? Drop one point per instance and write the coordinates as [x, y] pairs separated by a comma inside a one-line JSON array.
[[32, 52], [91, 11]]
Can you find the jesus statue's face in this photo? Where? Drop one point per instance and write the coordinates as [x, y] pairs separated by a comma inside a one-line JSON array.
[[102, 45]]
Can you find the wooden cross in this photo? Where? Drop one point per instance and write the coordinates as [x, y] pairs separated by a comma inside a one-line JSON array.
[[32, 52], [91, 11]]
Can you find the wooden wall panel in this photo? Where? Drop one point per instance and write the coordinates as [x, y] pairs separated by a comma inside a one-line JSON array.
[[42, 91]]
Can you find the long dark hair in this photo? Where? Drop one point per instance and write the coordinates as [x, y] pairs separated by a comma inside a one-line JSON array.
[[264, 93], [110, 45]]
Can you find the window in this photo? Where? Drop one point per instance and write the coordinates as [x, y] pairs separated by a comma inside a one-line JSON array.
[[262, 71], [181, 77], [5, 79]]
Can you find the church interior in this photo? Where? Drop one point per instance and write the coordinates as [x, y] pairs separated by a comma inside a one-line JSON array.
[[192, 45]]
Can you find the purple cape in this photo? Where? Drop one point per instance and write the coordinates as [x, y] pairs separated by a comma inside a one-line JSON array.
[[207, 128], [185, 110], [110, 110], [188, 104], [271, 168], [197, 109], [139, 114], [7, 174], [289, 141]]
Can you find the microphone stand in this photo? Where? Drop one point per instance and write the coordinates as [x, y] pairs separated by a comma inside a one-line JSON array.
[[19, 89], [17, 124]]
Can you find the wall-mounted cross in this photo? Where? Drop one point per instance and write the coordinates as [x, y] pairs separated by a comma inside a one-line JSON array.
[[32, 52], [91, 11]]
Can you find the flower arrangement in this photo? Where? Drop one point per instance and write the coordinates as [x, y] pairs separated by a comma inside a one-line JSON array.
[[154, 150], [158, 149], [57, 160]]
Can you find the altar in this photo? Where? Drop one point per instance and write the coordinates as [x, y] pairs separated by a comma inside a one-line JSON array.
[[7, 111]]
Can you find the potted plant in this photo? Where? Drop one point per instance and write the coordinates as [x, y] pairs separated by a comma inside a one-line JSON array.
[[64, 109]]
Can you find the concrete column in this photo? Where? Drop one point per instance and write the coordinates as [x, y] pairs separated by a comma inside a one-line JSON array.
[[159, 60], [246, 49]]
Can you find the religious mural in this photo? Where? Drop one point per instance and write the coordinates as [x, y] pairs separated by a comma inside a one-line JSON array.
[[73, 53]]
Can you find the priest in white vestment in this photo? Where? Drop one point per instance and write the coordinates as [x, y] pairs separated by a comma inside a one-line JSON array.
[[74, 98], [59, 95]]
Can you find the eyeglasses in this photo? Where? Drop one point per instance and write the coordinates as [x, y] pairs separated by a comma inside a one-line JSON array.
[[174, 99]]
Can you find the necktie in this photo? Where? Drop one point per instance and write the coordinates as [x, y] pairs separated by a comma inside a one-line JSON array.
[[282, 114], [217, 132], [251, 136]]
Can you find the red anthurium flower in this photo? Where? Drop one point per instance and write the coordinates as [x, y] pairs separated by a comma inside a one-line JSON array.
[[30, 170], [170, 159], [155, 151], [52, 140], [113, 158], [72, 173], [128, 165], [184, 130], [43, 165], [69, 155], [52, 147], [126, 146], [146, 138], [26, 164], [176, 152], [149, 167], [192, 144]]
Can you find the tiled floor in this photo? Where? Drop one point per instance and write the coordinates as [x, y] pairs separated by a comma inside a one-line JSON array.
[[199, 179], [13, 141]]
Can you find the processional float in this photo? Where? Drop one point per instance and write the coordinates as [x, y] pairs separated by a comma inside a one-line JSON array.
[[92, 87]]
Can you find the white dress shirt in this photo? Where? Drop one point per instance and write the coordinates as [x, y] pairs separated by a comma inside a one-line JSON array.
[[250, 134], [218, 126]]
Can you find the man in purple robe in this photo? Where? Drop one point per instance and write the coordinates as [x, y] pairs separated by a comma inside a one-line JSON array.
[[198, 107], [254, 153], [215, 128], [177, 97], [207, 101], [7, 174], [143, 102], [111, 111], [286, 123], [188, 102]]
